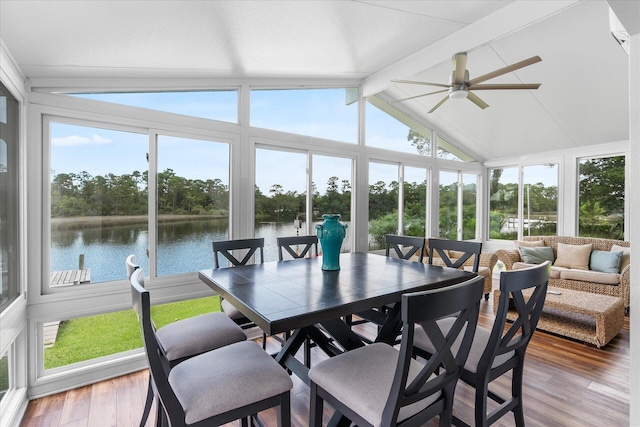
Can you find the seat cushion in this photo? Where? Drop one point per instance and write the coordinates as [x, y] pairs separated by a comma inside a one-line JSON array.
[[231, 311], [195, 335], [591, 276], [480, 340], [361, 379], [225, 379]]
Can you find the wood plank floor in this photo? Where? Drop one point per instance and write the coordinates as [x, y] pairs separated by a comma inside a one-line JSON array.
[[567, 383]]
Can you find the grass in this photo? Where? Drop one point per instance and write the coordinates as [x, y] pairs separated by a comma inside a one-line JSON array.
[[104, 334]]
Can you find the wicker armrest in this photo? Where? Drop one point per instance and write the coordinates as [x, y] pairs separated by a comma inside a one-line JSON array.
[[508, 257], [625, 285]]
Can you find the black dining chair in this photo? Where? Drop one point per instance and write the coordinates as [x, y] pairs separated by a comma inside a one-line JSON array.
[[189, 337], [297, 246], [244, 250], [454, 253], [381, 385], [232, 382], [502, 348]]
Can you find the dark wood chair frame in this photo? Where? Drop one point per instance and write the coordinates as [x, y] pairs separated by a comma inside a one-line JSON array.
[[442, 370], [399, 244], [469, 248], [515, 339], [287, 243], [170, 410]]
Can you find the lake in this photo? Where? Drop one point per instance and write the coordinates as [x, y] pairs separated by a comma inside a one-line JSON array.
[[183, 247]]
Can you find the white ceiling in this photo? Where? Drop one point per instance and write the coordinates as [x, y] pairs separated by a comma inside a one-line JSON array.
[[583, 98]]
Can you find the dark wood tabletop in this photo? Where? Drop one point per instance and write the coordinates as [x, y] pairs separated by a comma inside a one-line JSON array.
[[288, 295]]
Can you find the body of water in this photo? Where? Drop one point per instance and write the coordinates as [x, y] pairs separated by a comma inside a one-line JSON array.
[[183, 247]]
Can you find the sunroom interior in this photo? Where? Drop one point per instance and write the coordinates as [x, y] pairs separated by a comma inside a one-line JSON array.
[[261, 104]]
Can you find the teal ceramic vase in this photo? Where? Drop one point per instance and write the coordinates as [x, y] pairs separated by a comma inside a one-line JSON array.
[[331, 233]]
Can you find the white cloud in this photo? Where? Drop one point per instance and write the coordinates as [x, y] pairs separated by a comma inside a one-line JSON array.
[[75, 140]]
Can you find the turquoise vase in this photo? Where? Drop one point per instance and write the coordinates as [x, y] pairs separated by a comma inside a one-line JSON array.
[[331, 234]]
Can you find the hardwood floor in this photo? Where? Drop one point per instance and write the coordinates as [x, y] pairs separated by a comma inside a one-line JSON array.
[[567, 383]]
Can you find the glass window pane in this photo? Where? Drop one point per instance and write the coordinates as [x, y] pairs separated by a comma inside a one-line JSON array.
[[219, 105], [383, 203], [415, 201], [9, 223], [4, 375], [469, 202], [601, 197], [448, 205], [280, 196], [388, 128], [332, 192], [449, 151], [503, 203], [85, 338], [322, 113], [193, 202], [98, 202], [540, 199]]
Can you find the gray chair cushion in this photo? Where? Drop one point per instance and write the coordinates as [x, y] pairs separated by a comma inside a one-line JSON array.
[[480, 340], [198, 334], [227, 378], [230, 310], [362, 378]]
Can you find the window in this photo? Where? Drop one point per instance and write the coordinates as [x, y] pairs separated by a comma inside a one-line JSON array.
[[540, 199], [280, 196], [469, 205], [321, 113], [9, 283], [4, 375], [601, 197], [193, 202], [98, 202], [536, 214], [214, 104], [415, 201], [389, 128], [331, 185], [448, 205], [383, 203]]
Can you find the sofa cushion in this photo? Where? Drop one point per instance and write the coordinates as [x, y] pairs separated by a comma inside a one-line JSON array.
[[606, 262], [573, 256], [529, 243], [555, 271], [536, 255], [590, 276], [626, 255]]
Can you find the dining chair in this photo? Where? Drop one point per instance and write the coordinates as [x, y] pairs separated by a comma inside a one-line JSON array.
[[189, 337], [244, 250], [232, 382], [501, 349], [305, 246], [454, 253], [382, 385]]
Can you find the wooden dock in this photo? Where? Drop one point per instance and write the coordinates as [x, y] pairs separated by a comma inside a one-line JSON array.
[[69, 277]]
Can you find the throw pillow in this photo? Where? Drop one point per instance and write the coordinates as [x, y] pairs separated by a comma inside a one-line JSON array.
[[606, 262], [536, 255], [573, 256], [626, 256], [529, 243]]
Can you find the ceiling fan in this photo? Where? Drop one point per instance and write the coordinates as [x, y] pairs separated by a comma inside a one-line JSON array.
[[460, 86]]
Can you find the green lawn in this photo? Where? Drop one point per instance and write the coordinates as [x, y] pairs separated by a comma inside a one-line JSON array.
[[94, 336]]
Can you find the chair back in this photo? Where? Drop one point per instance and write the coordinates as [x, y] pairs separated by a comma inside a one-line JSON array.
[[131, 265], [226, 248], [523, 291], [467, 249], [157, 366], [405, 246], [443, 368], [307, 243]]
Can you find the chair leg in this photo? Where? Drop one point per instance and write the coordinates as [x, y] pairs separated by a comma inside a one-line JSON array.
[[284, 414], [315, 407], [264, 341], [516, 392], [147, 404], [482, 394], [307, 352]]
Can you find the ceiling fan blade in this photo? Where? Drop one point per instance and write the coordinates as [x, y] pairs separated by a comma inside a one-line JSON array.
[[461, 66], [505, 70], [506, 86], [413, 82], [442, 101], [479, 102], [424, 94]]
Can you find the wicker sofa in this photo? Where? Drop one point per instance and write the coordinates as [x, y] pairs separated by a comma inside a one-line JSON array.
[[612, 284]]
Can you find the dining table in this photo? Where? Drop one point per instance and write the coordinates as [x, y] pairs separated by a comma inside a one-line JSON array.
[[297, 295]]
